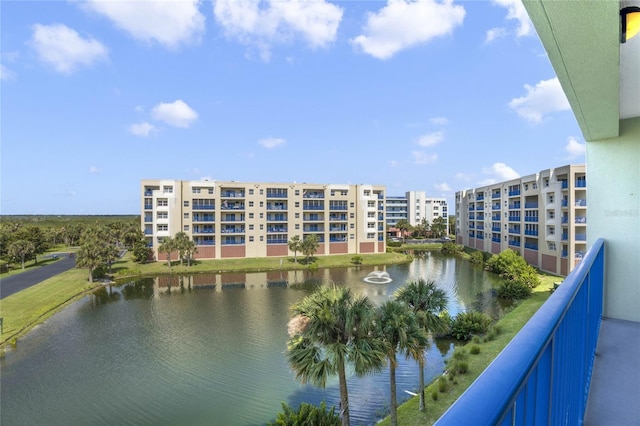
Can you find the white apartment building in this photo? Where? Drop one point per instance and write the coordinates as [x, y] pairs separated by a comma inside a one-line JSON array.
[[238, 220], [415, 206], [541, 216]]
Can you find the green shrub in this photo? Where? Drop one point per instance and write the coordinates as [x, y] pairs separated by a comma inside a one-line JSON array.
[[476, 258], [356, 260], [459, 354], [394, 243], [434, 395], [443, 386], [462, 367], [514, 290], [452, 248], [466, 324], [475, 350], [307, 415]]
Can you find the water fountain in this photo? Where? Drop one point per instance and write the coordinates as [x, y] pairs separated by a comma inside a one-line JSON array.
[[378, 277]]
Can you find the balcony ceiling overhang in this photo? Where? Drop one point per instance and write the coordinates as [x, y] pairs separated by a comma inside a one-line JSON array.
[[600, 76]]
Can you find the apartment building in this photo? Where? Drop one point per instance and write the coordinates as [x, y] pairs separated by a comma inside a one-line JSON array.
[[541, 216], [238, 220], [415, 206]]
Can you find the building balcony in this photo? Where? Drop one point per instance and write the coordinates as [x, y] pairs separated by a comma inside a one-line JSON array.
[[495, 207], [531, 219], [531, 246], [203, 207], [495, 239], [148, 206], [514, 243], [514, 218], [232, 194], [495, 195], [496, 229], [530, 205], [581, 220], [531, 232], [479, 197], [514, 193], [515, 206], [581, 237]]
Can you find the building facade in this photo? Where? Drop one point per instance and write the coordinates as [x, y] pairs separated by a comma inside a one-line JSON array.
[[415, 206], [542, 216], [238, 220]]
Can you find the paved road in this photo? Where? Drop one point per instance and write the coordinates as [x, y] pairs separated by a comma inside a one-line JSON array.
[[15, 283]]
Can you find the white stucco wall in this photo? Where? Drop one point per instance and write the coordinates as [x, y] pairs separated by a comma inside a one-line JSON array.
[[613, 182]]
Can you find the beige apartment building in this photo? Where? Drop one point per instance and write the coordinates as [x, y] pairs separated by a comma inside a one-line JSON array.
[[541, 216], [242, 220]]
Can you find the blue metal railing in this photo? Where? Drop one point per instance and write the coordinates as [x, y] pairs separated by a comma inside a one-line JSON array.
[[544, 374]]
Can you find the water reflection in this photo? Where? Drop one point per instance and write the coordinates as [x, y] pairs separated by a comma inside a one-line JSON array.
[[206, 349]]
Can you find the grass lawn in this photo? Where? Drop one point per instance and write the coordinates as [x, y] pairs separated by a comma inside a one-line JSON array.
[[23, 310]]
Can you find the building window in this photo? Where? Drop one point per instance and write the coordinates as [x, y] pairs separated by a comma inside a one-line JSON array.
[[351, 215], [261, 191], [261, 215], [210, 191], [167, 189], [297, 215], [163, 227], [261, 238], [352, 205], [185, 228], [261, 227], [367, 193], [162, 202], [546, 182], [297, 226], [297, 204], [250, 215], [250, 227], [297, 192], [195, 190], [251, 203], [261, 204], [185, 216], [250, 238], [250, 191], [163, 215], [186, 204]]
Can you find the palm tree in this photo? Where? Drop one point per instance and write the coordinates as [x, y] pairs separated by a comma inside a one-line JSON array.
[[309, 247], [167, 246], [21, 249], [295, 244], [328, 330], [427, 301], [400, 331]]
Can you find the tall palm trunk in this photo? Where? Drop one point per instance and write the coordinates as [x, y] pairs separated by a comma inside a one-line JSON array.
[[392, 384], [344, 395], [421, 375]]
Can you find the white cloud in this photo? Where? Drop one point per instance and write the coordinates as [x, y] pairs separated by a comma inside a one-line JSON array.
[[499, 172], [405, 23], [94, 169], [6, 73], [177, 114], [271, 143], [442, 187], [393, 163], [575, 148], [143, 129], [65, 49], [431, 139], [421, 157], [260, 25], [516, 10], [495, 33], [462, 177], [169, 23], [544, 98], [440, 121]]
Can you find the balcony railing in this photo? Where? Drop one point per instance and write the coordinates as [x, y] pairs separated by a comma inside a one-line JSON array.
[[544, 374]]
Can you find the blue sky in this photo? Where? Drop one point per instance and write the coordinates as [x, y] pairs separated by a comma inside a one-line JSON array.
[[434, 96]]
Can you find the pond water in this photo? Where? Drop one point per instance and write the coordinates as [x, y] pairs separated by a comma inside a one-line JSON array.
[[209, 351]]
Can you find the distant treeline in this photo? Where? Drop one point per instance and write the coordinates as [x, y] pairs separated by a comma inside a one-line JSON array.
[[61, 220]]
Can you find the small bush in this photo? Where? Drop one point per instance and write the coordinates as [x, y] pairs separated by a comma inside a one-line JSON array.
[[443, 386], [476, 258], [459, 354], [394, 243], [475, 350], [307, 415], [462, 367], [467, 324], [356, 260], [476, 339], [514, 290], [434, 395]]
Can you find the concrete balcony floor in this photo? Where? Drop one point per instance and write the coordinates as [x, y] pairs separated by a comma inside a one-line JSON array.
[[614, 397]]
